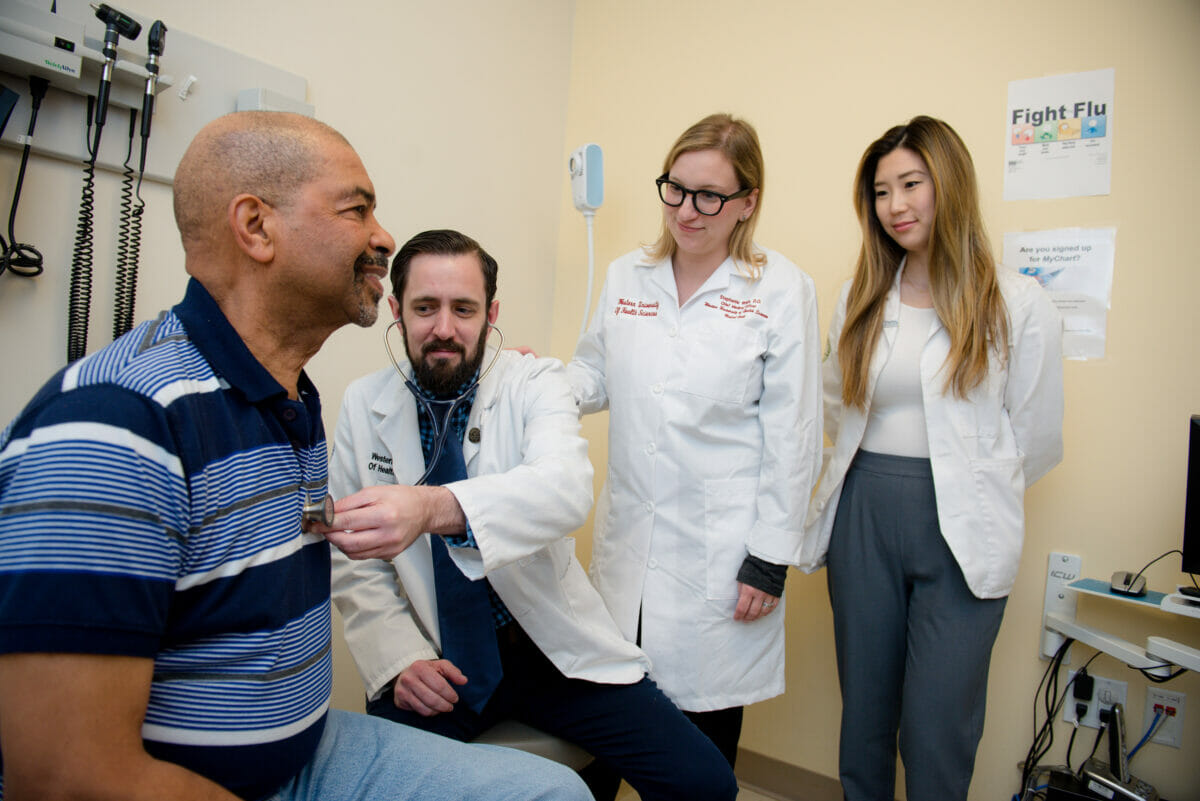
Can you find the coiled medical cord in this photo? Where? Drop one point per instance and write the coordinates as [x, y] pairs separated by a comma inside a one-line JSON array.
[[128, 242], [23, 259], [130, 246], [80, 299]]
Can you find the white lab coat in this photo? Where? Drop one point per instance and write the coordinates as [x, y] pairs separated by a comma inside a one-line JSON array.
[[984, 450], [530, 483], [714, 447]]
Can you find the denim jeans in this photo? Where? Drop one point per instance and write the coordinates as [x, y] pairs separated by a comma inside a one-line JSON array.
[[362, 758]]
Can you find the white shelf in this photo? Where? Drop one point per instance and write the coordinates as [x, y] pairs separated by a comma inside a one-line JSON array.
[[1159, 656]]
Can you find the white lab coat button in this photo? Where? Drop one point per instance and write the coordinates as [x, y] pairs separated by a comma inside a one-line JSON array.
[[674, 331], [651, 448], [650, 507], [657, 389], [652, 564]]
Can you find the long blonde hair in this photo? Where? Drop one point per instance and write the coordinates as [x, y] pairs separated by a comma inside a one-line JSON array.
[[962, 271], [738, 142]]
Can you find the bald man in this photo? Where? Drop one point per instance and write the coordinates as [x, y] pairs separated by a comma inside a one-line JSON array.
[[164, 614]]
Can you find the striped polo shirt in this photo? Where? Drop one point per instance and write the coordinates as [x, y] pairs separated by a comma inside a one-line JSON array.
[[150, 506]]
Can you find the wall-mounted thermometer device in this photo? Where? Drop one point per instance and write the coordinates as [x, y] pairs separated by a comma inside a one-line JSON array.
[[586, 166]]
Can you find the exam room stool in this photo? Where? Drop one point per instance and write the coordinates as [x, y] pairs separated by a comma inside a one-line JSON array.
[[514, 734]]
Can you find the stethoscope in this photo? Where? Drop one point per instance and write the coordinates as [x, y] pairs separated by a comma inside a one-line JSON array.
[[440, 423], [321, 510]]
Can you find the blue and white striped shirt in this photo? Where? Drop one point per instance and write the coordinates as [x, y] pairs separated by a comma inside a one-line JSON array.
[[150, 506]]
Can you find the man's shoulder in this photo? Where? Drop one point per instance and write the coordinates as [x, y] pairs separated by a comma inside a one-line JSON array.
[[514, 367], [529, 382], [149, 360], [146, 369]]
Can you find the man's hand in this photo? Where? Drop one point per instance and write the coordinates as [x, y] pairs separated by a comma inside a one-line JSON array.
[[753, 604], [380, 522], [425, 687]]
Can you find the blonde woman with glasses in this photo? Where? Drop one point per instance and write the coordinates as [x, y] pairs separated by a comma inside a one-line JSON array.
[[705, 350]]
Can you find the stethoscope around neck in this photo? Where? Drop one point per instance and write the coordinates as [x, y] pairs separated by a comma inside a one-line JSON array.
[[321, 511], [440, 423]]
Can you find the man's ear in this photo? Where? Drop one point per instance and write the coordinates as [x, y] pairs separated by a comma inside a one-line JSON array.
[[493, 312], [251, 219], [394, 305]]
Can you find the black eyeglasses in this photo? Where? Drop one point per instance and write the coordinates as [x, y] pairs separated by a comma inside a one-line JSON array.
[[706, 201]]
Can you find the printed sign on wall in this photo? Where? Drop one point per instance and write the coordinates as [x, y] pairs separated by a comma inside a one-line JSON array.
[[1059, 135]]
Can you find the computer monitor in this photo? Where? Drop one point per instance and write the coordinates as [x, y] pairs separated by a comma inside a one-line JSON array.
[[1191, 511]]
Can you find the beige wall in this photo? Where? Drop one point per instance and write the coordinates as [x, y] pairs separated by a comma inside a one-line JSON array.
[[820, 81], [464, 113]]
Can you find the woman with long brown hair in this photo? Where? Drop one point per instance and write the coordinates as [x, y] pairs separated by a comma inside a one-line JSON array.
[[943, 397]]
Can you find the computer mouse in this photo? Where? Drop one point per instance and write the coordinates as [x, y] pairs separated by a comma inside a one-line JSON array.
[[1125, 583]]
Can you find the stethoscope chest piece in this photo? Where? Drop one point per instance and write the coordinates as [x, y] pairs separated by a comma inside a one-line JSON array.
[[317, 512]]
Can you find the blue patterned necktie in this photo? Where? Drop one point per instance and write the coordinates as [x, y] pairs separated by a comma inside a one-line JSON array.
[[464, 609]]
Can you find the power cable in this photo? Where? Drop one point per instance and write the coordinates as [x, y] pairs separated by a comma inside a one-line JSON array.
[[22, 259]]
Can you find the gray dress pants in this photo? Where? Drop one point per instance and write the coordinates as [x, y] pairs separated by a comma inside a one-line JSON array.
[[913, 643]]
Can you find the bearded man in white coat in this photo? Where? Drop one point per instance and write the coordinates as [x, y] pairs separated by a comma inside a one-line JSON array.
[[458, 486]]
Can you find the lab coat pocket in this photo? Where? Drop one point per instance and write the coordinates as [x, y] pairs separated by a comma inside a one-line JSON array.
[[729, 514], [721, 362], [1000, 502]]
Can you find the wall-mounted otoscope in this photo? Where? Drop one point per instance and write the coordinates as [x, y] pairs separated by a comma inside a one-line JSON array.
[[158, 40], [116, 25], [130, 240]]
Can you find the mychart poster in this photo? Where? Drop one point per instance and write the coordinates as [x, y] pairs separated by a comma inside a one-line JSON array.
[[1059, 134], [1075, 267]]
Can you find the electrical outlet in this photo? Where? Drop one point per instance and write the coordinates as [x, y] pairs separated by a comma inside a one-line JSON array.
[[1106, 693], [1171, 731]]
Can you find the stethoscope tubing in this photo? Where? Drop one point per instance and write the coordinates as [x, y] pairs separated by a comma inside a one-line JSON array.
[[441, 425]]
